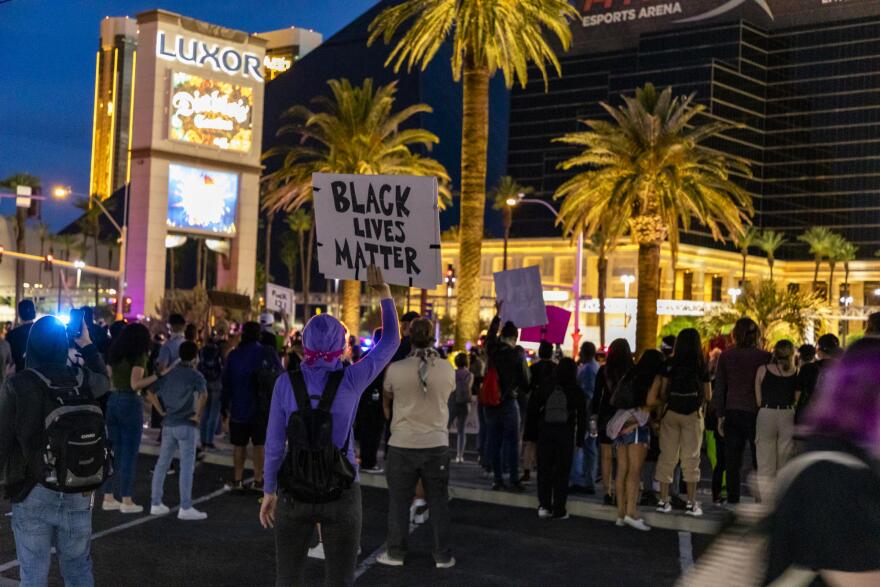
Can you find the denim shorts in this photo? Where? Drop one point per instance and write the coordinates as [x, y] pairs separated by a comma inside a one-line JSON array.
[[641, 435]]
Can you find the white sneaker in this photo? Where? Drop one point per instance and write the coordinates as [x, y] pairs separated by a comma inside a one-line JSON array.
[[544, 513], [664, 507], [317, 552], [637, 524], [446, 564], [619, 523], [422, 514], [386, 559], [693, 509], [191, 514], [130, 509], [110, 505], [160, 510]]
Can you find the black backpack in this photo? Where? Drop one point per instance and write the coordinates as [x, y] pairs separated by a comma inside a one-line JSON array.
[[686, 391], [75, 455], [211, 366], [314, 470], [556, 407], [264, 379], [625, 393]]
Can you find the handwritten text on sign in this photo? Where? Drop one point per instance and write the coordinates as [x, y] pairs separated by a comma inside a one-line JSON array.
[[387, 221]]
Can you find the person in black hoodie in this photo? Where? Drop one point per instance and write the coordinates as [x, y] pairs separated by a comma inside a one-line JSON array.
[[503, 420], [42, 517], [556, 420], [540, 372]]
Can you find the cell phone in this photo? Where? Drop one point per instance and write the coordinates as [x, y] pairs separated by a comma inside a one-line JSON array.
[[75, 323]]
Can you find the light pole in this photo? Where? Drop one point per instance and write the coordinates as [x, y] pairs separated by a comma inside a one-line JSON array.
[[627, 280], [507, 218], [734, 293], [846, 301], [578, 263], [62, 192]]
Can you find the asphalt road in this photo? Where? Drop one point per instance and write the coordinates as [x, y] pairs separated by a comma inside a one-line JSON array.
[[494, 545]]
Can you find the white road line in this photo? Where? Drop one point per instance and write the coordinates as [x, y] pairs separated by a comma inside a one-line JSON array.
[[137, 522], [4, 582], [685, 551]]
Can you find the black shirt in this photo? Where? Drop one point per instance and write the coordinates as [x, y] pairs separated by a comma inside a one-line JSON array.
[[17, 339], [829, 518], [808, 381], [778, 391]]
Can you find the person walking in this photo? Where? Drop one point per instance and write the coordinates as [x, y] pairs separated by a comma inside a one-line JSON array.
[[825, 528], [170, 349], [583, 468], [420, 387], [810, 374], [18, 336], [324, 341], [247, 425], [43, 517], [128, 356], [503, 420], [617, 364], [776, 394], [540, 372], [182, 392], [632, 434], [210, 365], [734, 400], [556, 422], [685, 389], [461, 403]]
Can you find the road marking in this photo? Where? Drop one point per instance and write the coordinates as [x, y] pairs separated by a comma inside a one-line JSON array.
[[136, 522], [685, 551]]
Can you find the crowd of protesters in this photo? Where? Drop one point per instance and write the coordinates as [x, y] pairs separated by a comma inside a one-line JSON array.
[[643, 429]]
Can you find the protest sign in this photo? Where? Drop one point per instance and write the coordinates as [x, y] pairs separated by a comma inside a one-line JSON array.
[[523, 296], [553, 332], [391, 221], [279, 299]]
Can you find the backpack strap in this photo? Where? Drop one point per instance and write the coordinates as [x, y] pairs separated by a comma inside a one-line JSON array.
[[330, 389], [298, 384]]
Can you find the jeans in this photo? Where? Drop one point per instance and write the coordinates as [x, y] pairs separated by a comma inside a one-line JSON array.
[[210, 418], [584, 464], [125, 421], [555, 449], [503, 424], [173, 438], [460, 434], [47, 519], [369, 429], [404, 468], [483, 439], [340, 521], [739, 429]]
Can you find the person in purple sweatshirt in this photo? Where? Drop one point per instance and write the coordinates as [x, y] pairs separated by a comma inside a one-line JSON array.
[[324, 341]]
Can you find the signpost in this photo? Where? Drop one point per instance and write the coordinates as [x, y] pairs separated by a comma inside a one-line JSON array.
[[280, 299]]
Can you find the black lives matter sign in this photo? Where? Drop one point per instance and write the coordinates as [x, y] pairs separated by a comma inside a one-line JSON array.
[[391, 221]]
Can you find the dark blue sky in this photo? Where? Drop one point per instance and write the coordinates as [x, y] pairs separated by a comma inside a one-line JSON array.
[[47, 61]]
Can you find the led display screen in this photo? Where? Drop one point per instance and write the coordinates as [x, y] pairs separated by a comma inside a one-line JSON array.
[[201, 200], [210, 112]]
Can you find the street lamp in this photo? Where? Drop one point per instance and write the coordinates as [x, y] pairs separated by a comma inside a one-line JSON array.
[[627, 280], [734, 293], [578, 262], [450, 284], [62, 192], [507, 219], [846, 301]]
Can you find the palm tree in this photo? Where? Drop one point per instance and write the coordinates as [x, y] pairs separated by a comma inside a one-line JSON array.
[[301, 223], [289, 256], [12, 182], [355, 130], [847, 255], [602, 243], [838, 247], [504, 196], [267, 258], [744, 240], [485, 36], [770, 241], [818, 238], [649, 168]]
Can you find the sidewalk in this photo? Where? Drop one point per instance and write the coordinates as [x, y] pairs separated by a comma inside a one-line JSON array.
[[466, 482]]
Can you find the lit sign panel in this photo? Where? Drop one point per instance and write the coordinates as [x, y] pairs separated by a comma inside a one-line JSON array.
[[226, 59], [210, 112], [277, 63], [201, 200]]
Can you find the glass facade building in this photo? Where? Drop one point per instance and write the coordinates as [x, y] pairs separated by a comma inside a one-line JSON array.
[[805, 97]]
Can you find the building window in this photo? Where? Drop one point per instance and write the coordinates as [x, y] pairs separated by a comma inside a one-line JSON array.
[[821, 289], [566, 271], [794, 288], [547, 270], [717, 287], [872, 293], [687, 285]]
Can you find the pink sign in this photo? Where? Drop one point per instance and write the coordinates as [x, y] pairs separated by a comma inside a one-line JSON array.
[[553, 332]]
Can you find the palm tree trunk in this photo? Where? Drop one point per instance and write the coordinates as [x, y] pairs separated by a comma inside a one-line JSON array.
[[770, 262], [267, 261], [742, 279], [198, 262], [20, 217], [351, 305], [508, 220], [602, 270], [830, 282], [307, 277], [646, 314], [474, 144], [816, 274]]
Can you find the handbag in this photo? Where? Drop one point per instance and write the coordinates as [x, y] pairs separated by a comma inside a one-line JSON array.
[[490, 392]]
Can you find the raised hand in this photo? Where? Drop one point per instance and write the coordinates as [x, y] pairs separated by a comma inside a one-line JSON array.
[[377, 282]]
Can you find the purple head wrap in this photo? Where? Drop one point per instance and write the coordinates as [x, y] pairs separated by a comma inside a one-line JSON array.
[[323, 342]]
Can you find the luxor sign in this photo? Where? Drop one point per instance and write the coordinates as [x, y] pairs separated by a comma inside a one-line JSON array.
[[226, 59]]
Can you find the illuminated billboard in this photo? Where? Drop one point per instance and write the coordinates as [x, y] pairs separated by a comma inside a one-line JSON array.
[[201, 201], [211, 112]]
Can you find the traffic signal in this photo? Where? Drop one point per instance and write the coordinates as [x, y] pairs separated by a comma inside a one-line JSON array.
[[126, 305], [450, 276]]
